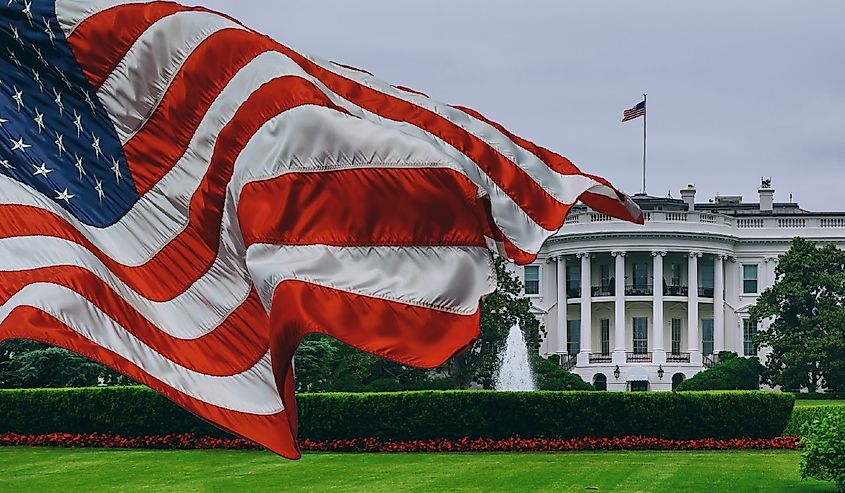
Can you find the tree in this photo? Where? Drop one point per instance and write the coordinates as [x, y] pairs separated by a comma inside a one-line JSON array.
[[730, 373], [29, 364], [806, 306]]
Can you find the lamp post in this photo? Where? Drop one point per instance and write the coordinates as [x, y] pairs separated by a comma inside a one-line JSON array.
[[660, 372], [616, 372]]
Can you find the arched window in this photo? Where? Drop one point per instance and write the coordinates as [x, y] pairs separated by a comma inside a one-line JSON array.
[[600, 381], [677, 378]]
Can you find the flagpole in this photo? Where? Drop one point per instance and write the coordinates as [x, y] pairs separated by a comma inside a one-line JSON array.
[[645, 115]]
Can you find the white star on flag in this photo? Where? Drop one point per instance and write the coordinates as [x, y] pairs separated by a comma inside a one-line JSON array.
[[42, 170], [115, 166], [78, 166], [64, 196], [19, 145], [18, 97], [39, 120], [99, 188], [60, 143]]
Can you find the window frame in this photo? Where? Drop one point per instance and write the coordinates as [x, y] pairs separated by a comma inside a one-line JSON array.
[[635, 280], [704, 340], [749, 333], [675, 331], [604, 336], [573, 337], [538, 281], [756, 279], [640, 344]]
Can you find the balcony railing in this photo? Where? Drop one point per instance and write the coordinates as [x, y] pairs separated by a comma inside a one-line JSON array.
[[710, 360], [567, 361], [573, 292], [638, 357], [603, 290], [600, 358], [675, 290], [677, 357], [639, 290], [705, 292]]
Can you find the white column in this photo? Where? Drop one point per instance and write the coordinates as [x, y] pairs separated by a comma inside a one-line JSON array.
[[693, 339], [561, 304], [719, 303], [657, 318], [619, 302], [586, 309]]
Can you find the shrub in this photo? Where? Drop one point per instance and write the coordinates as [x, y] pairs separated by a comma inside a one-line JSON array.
[[820, 396], [824, 455], [731, 373], [802, 416], [549, 375], [138, 411]]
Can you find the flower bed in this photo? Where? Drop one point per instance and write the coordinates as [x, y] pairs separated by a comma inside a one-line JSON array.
[[189, 441]]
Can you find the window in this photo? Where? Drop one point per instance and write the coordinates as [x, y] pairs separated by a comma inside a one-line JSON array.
[[749, 332], [605, 278], [640, 335], [573, 281], [675, 272], [604, 335], [640, 275], [600, 381], [573, 336], [639, 386], [707, 282], [676, 336], [532, 279], [749, 278], [707, 336]]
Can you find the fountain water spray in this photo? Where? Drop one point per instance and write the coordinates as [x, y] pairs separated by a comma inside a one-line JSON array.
[[514, 367]]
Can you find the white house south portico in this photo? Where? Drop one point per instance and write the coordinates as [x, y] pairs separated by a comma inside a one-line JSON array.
[[630, 307]]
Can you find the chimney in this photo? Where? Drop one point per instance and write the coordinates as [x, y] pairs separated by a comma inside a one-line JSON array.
[[688, 196], [767, 195]]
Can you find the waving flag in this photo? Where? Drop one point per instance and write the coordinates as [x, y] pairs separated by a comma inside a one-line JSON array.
[[183, 199]]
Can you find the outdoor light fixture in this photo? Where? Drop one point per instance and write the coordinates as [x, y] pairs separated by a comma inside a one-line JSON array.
[[660, 372], [616, 372]]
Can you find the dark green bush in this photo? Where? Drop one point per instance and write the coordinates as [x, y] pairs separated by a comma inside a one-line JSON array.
[[731, 373], [819, 396], [134, 411], [549, 375], [824, 455]]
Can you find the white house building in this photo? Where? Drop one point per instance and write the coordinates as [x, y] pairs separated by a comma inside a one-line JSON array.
[[642, 307]]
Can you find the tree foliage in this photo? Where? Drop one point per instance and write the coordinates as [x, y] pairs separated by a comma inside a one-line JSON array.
[[29, 364], [806, 306], [730, 373]]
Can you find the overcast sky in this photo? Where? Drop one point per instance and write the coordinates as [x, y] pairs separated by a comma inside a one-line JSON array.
[[736, 90]]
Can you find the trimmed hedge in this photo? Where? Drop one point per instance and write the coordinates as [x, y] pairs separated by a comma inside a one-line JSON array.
[[802, 415], [819, 396], [138, 411]]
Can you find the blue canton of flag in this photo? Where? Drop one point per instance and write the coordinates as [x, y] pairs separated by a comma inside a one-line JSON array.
[[55, 136]]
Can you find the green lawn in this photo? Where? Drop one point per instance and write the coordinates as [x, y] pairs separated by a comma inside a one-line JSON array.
[[68, 470], [808, 403]]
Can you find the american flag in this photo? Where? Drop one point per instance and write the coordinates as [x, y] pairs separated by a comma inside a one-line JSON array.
[[184, 198], [637, 111]]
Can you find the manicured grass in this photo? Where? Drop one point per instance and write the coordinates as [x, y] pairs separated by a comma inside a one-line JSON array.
[[809, 403], [69, 470]]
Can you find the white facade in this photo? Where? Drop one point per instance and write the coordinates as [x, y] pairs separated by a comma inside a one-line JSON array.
[[606, 313]]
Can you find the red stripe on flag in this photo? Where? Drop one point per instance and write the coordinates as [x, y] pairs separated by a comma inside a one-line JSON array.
[[277, 431], [101, 41], [362, 207], [513, 180], [232, 347], [156, 148], [407, 334]]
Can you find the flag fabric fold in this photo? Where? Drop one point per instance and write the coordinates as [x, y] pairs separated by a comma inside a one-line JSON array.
[[183, 199]]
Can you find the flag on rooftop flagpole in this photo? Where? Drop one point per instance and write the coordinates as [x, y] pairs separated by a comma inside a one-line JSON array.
[[637, 111], [184, 198]]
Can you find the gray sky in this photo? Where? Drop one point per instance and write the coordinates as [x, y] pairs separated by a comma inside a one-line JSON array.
[[736, 90]]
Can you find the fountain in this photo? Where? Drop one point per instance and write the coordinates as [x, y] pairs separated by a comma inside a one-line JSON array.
[[514, 368]]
